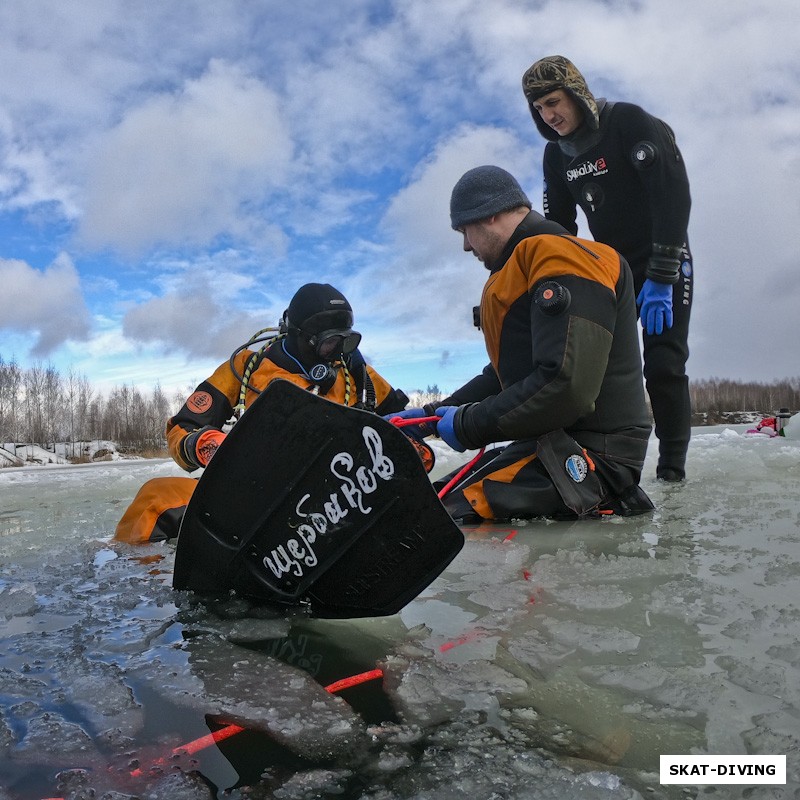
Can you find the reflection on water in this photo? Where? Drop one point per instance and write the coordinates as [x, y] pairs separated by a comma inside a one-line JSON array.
[[10, 522], [570, 654]]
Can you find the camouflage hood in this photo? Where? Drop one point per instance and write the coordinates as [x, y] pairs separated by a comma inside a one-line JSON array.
[[557, 72]]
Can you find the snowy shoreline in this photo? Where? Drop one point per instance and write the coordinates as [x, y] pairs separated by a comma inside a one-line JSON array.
[[103, 451], [97, 451]]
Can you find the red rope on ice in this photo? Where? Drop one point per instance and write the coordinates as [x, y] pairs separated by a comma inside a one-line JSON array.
[[195, 745], [461, 473], [354, 680], [231, 730], [470, 636]]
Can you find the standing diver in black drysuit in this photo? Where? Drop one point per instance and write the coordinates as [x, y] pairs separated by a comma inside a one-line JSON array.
[[623, 168]]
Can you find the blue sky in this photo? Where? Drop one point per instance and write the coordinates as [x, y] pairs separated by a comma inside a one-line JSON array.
[[171, 172]]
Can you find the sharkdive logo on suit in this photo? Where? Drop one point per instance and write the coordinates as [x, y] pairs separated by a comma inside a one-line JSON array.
[[576, 468], [588, 168]]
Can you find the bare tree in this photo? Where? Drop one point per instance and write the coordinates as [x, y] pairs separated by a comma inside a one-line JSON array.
[[33, 383], [77, 394], [85, 396], [55, 429], [159, 412], [10, 397], [95, 419]]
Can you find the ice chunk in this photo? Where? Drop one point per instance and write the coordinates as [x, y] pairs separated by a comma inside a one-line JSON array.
[[50, 733], [592, 638], [7, 738], [181, 786], [494, 560], [231, 684], [312, 784], [18, 600], [175, 785], [584, 598], [100, 692], [759, 677], [474, 760], [427, 693], [445, 619], [538, 651], [233, 618], [637, 678]]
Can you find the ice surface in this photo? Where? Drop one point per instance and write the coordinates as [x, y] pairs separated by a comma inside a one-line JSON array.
[[550, 660], [228, 683]]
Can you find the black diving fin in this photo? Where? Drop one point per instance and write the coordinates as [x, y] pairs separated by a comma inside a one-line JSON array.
[[308, 502]]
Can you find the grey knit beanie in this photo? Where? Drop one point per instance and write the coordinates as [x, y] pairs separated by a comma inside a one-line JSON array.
[[483, 192]]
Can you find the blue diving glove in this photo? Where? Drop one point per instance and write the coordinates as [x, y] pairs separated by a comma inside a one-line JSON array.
[[445, 427], [416, 431], [655, 301]]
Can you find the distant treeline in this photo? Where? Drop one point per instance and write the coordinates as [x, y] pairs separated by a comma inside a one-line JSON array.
[[40, 406], [714, 397]]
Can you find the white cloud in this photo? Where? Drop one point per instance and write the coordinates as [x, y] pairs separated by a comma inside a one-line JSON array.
[[183, 167], [193, 322], [48, 305], [321, 141]]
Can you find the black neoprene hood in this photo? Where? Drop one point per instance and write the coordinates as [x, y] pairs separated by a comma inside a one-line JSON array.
[[316, 307]]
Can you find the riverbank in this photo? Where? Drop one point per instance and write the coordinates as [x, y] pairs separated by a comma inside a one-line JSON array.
[[701, 419], [63, 453]]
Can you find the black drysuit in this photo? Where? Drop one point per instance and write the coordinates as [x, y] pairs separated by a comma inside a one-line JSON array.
[[629, 179]]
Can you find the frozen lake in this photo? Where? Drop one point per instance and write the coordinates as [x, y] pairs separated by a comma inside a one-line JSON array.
[[550, 661]]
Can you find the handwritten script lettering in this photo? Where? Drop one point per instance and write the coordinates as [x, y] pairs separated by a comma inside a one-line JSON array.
[[356, 481]]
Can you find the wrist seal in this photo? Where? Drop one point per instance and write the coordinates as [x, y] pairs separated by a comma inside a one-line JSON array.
[[464, 428], [664, 264], [188, 447]]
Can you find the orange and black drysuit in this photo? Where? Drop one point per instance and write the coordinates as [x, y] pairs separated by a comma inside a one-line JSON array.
[[563, 384], [213, 401], [157, 509]]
